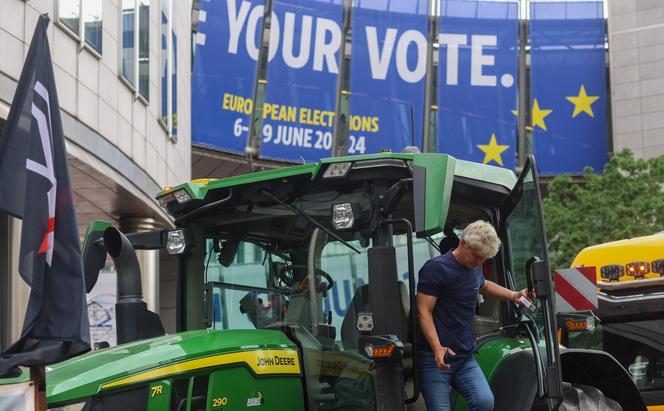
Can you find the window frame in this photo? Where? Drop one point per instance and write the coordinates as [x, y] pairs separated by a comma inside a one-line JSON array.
[[133, 84], [168, 124], [80, 36]]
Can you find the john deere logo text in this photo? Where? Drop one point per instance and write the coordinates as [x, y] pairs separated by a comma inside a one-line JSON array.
[[275, 360]]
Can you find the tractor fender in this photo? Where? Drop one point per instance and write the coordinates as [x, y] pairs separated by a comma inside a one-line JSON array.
[[510, 369], [600, 370], [514, 382]]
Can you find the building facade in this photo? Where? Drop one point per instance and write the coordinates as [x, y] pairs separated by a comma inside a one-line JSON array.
[[122, 70], [636, 51]]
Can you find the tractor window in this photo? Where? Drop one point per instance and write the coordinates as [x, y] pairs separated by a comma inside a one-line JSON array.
[[350, 272], [525, 239], [243, 299], [179, 394]]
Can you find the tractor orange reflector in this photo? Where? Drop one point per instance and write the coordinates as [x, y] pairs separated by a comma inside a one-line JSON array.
[[576, 325], [383, 351]]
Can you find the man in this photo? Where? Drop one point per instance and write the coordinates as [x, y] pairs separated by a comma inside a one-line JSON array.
[[446, 299]]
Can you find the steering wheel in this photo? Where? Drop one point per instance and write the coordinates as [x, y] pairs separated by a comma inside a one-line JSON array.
[[290, 281]]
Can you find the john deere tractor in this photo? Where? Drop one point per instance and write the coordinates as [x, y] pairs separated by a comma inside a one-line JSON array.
[[296, 291]]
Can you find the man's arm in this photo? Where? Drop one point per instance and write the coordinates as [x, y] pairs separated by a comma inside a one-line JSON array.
[[492, 289], [425, 305]]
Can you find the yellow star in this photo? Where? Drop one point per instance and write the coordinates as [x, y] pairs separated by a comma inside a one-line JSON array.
[[582, 102], [492, 151], [538, 116]]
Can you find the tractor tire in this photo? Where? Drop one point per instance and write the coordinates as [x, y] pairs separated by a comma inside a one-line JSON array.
[[577, 397]]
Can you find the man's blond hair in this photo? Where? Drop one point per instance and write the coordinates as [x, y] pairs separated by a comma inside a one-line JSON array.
[[481, 237]]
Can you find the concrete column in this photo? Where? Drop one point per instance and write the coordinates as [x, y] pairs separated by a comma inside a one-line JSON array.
[[147, 259]]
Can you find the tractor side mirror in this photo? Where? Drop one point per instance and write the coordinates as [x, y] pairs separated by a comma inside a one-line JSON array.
[[538, 278], [228, 250]]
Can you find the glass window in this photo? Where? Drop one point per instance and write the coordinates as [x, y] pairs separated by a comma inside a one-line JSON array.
[[92, 23], [525, 239], [128, 37], [144, 48], [136, 44], [69, 13], [84, 19], [168, 69]]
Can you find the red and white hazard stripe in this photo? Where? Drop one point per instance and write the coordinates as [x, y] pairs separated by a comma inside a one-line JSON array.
[[576, 289]]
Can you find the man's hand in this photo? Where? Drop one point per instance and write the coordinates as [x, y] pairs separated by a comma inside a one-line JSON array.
[[522, 293], [440, 354]]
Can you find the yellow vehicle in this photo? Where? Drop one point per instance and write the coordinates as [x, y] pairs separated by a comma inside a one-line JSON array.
[[630, 282]]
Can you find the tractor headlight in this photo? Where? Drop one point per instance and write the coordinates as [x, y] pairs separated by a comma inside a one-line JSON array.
[[344, 215], [182, 196], [638, 269], [612, 272], [176, 242], [337, 169], [657, 266], [165, 199]]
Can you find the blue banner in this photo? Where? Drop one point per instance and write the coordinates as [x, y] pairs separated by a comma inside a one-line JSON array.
[[302, 71], [222, 84], [477, 81], [388, 71], [568, 86]]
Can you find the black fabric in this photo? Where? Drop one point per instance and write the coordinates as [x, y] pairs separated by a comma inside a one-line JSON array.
[[456, 288], [34, 186]]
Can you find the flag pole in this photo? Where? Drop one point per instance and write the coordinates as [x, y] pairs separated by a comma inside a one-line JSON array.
[[38, 378]]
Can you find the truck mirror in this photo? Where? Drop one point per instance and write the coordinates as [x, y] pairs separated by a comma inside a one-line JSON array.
[[94, 253], [538, 277]]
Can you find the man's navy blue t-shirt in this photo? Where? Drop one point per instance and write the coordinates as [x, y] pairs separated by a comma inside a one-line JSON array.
[[456, 287]]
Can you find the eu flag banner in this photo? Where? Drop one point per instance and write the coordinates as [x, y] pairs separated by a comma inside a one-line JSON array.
[[34, 186], [222, 83], [568, 109], [302, 71], [477, 81], [388, 71]]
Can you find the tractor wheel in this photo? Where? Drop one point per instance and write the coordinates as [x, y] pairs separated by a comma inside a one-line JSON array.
[[577, 397]]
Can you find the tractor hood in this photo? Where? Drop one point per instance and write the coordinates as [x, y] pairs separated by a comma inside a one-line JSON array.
[[144, 360]]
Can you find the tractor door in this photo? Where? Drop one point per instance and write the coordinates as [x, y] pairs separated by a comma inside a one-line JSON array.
[[522, 228]]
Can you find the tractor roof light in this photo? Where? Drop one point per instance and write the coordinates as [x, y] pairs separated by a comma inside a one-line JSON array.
[[379, 162], [345, 215], [176, 242], [165, 199], [612, 272], [182, 196], [657, 266], [337, 170], [638, 269]]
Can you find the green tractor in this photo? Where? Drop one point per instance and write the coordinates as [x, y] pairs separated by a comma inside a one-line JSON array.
[[296, 289]]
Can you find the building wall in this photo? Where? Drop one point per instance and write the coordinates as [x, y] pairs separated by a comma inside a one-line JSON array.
[[120, 154], [636, 47]]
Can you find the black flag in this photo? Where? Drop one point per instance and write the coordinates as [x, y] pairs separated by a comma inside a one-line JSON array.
[[34, 186]]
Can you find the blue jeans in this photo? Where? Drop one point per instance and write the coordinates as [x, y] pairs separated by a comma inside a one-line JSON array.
[[464, 375]]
